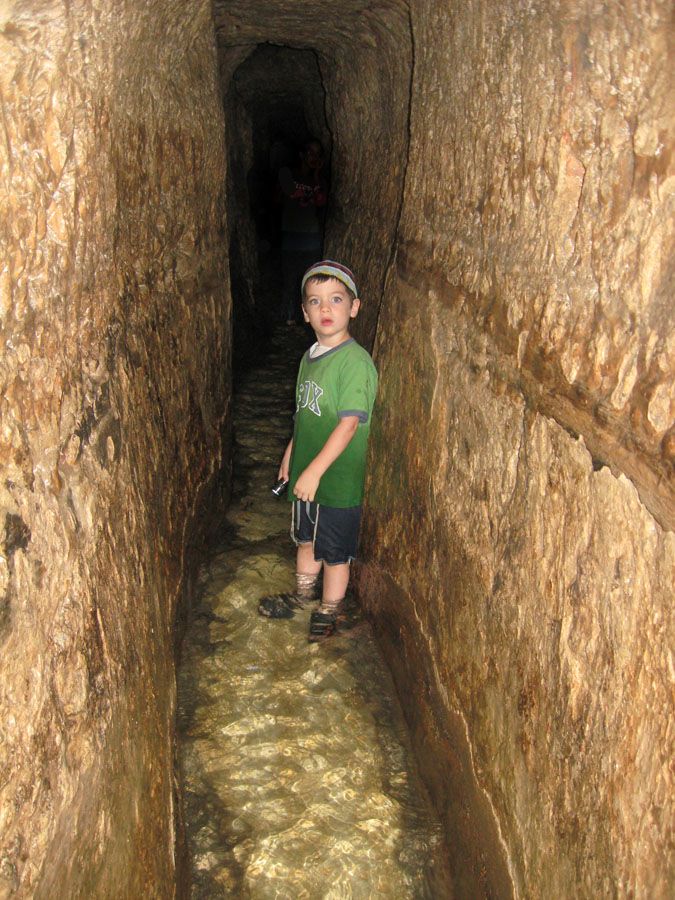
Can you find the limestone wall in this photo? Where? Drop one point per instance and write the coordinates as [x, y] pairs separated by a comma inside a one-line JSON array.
[[114, 313], [518, 539], [519, 546]]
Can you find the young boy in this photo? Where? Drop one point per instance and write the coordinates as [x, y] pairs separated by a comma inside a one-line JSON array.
[[326, 457]]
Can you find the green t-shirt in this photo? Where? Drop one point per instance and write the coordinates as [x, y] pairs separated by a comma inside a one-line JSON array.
[[341, 382]]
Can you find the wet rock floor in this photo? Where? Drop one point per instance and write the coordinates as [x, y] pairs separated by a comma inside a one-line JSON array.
[[297, 775]]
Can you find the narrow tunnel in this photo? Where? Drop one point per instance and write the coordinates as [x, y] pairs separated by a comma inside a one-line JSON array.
[[276, 103], [501, 180]]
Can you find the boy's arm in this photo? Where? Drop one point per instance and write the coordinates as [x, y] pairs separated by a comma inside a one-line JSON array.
[[308, 481], [285, 462]]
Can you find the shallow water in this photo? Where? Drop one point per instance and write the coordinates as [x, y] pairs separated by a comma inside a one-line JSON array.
[[297, 774]]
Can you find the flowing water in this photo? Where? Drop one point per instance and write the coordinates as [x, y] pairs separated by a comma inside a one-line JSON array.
[[297, 774]]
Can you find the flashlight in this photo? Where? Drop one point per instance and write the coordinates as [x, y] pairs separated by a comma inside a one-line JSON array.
[[279, 487]]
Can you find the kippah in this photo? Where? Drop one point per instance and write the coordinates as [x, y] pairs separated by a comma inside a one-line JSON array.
[[334, 270]]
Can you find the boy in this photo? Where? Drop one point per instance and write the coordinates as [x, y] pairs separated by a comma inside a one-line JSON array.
[[326, 457]]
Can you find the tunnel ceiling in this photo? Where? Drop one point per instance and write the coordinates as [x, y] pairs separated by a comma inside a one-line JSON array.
[[282, 90], [279, 73], [327, 26]]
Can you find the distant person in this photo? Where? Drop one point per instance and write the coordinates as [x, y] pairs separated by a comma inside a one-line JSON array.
[[304, 192], [325, 461]]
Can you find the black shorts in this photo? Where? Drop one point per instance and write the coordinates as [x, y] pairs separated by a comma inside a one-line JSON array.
[[333, 532]]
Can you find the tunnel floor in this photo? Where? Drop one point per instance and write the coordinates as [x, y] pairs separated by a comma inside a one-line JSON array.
[[297, 774]]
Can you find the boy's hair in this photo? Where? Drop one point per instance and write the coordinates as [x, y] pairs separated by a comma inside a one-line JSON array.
[[326, 269], [321, 279]]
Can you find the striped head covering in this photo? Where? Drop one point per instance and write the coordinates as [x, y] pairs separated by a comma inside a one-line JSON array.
[[333, 270]]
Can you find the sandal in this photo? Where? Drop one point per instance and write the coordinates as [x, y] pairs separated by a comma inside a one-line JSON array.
[[321, 626], [279, 606]]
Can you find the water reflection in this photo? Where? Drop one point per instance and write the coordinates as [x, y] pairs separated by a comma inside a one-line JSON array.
[[296, 767]]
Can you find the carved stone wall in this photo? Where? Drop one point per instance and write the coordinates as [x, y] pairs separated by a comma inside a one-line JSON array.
[[114, 319], [518, 541], [503, 188]]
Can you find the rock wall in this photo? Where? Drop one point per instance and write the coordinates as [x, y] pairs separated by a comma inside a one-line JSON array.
[[519, 546], [114, 318], [518, 539]]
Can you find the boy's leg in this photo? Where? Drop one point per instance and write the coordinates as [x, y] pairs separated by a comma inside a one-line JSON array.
[[323, 621], [335, 543], [307, 569], [335, 581], [305, 563]]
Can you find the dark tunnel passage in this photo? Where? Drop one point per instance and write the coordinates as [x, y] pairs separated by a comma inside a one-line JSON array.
[[277, 100], [499, 176]]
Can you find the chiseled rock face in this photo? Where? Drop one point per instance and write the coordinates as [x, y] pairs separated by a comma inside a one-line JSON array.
[[518, 539], [113, 320], [519, 546]]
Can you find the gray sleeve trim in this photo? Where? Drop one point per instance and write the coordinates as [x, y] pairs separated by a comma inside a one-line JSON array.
[[359, 413]]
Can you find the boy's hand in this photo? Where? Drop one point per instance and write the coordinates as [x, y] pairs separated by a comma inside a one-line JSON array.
[[307, 485]]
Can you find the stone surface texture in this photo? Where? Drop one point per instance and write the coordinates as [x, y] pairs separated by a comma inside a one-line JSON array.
[[114, 314], [503, 187], [518, 542]]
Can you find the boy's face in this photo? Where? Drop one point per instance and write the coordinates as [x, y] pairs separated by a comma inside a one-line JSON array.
[[328, 308]]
